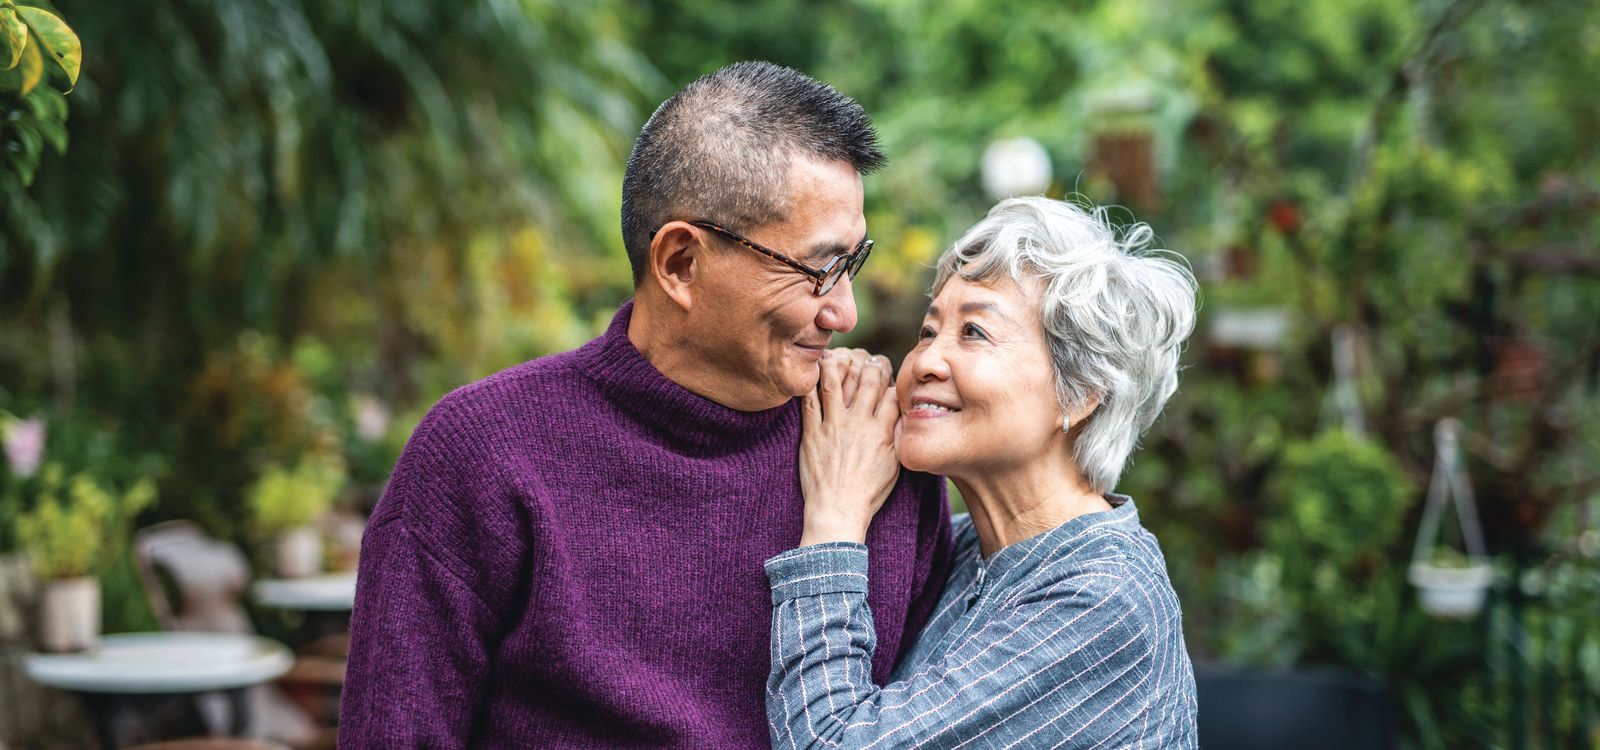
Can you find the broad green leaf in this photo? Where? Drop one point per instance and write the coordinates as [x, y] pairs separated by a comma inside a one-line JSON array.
[[32, 68], [53, 107], [13, 34], [57, 38], [54, 133], [26, 161]]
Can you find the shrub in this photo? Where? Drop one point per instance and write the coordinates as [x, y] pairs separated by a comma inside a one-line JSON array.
[[68, 528], [283, 499]]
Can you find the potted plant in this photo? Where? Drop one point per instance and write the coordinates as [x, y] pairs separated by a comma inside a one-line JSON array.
[[1450, 583], [65, 534], [1308, 607], [285, 505], [1339, 503]]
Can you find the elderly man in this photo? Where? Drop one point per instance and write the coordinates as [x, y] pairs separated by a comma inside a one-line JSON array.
[[569, 552]]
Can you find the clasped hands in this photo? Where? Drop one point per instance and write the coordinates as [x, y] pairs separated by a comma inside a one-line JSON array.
[[848, 463]]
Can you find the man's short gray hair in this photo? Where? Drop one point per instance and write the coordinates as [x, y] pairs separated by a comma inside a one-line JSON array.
[[1115, 312], [720, 150]]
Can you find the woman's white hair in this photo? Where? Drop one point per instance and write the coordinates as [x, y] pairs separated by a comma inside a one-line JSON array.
[[1115, 312]]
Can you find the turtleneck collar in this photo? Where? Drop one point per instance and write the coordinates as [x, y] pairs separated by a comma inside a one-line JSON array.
[[693, 423]]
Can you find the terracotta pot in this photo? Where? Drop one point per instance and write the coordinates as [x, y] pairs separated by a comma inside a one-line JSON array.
[[299, 552], [69, 614]]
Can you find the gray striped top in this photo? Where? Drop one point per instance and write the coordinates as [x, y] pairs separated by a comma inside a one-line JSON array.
[[1071, 639]]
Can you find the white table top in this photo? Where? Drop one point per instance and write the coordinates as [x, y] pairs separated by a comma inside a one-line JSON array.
[[334, 592], [164, 663]]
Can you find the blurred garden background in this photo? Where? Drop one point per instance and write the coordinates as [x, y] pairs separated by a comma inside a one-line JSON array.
[[240, 259]]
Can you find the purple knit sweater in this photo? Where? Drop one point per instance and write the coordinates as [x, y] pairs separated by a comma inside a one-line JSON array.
[[569, 554]]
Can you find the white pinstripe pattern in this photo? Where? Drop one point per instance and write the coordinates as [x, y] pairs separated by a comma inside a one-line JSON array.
[[849, 614], [827, 655], [998, 669], [820, 576], [1074, 641]]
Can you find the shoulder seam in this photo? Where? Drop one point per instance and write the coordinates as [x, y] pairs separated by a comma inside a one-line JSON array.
[[421, 545]]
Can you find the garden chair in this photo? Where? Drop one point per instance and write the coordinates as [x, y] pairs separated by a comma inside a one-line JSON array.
[[197, 583]]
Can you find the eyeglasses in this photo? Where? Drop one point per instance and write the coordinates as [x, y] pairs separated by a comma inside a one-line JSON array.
[[825, 277]]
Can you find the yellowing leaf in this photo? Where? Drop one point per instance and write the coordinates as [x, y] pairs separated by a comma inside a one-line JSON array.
[[32, 68], [14, 34], [56, 37]]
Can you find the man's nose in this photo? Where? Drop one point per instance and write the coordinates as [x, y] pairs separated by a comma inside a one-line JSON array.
[[838, 311]]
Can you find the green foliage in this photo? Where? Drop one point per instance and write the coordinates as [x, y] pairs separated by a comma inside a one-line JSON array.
[[67, 530], [115, 456], [1449, 557], [279, 219], [13, 34], [31, 117], [285, 499], [426, 190], [1339, 503], [1416, 170], [50, 35]]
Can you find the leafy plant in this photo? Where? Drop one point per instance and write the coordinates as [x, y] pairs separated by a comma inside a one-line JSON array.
[[32, 117], [419, 192], [277, 169], [1338, 498], [1339, 503], [284, 499], [1449, 557], [68, 529]]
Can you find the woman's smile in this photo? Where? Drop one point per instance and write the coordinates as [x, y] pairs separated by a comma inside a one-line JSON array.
[[923, 407]]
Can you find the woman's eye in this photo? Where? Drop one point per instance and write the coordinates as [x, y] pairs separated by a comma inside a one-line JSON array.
[[972, 330], [925, 333]]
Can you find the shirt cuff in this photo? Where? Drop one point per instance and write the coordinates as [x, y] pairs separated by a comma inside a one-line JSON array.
[[829, 568]]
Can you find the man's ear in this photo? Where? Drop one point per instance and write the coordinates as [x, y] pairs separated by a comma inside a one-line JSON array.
[[677, 261]]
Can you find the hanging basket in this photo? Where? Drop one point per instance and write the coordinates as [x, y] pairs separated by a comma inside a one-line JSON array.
[[1450, 584], [1449, 591]]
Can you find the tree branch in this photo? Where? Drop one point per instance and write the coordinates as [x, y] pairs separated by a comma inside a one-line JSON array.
[[1558, 260]]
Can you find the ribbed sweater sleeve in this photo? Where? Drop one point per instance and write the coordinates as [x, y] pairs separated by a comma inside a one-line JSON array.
[[935, 556], [439, 576]]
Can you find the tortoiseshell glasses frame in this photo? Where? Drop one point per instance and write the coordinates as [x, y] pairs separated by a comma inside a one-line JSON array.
[[825, 278]]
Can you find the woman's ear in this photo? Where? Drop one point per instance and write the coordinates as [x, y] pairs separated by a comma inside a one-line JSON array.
[[677, 261], [1075, 416], [1088, 408]]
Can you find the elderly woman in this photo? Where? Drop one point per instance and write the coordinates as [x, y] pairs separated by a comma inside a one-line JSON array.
[[1049, 348]]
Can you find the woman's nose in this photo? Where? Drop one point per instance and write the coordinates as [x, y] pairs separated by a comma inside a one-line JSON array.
[[929, 363]]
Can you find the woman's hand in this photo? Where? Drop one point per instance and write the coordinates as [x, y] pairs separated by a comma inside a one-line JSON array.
[[847, 456]]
